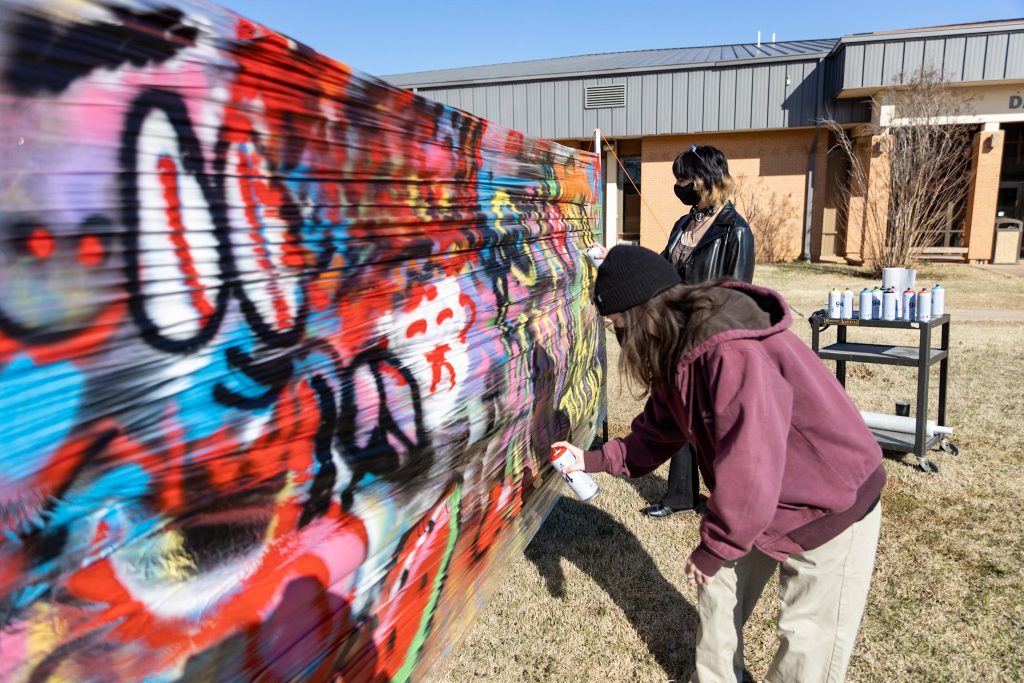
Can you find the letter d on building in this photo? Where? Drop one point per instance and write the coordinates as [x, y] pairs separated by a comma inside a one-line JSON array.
[[1016, 102]]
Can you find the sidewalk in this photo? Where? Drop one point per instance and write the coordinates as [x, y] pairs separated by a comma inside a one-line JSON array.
[[1016, 270]]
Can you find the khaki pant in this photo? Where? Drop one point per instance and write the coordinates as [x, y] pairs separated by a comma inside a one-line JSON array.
[[822, 594]]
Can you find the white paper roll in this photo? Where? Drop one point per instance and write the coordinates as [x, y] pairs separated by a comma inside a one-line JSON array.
[[893, 278], [899, 423]]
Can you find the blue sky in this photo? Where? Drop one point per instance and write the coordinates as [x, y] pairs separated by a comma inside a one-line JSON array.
[[394, 36]]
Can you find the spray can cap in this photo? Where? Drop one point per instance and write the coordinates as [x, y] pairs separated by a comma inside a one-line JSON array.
[[557, 452]]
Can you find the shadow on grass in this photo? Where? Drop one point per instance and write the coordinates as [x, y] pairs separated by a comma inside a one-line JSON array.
[[605, 550], [651, 487]]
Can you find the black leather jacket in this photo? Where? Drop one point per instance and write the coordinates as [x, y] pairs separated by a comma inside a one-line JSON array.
[[725, 250]]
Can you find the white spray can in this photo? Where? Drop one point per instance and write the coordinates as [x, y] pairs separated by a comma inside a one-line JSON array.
[[938, 301], [835, 304], [909, 304], [581, 483], [889, 304], [924, 306], [876, 303], [865, 304], [595, 253], [847, 300]]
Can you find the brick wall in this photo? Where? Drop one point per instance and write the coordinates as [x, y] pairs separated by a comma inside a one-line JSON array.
[[979, 231], [769, 161]]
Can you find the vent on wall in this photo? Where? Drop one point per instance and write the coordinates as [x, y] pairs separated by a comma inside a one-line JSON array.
[[598, 96]]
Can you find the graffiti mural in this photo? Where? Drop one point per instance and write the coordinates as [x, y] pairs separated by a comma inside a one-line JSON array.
[[282, 349]]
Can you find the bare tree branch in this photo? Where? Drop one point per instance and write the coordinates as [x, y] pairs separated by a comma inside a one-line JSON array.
[[922, 166]]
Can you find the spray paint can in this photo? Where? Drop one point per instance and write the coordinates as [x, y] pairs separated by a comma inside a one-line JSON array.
[[924, 306], [938, 301], [595, 253], [835, 304], [847, 303], [581, 483], [889, 304], [865, 304], [909, 304], [876, 303]]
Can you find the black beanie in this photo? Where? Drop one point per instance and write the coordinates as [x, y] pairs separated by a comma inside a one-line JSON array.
[[630, 276]]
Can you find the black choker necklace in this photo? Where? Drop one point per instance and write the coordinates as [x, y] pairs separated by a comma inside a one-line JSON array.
[[700, 214]]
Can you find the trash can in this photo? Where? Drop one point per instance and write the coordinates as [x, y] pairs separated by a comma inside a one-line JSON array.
[[1006, 246]]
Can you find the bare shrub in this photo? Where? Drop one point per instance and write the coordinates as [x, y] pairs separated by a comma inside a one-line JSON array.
[[925, 165], [768, 214]]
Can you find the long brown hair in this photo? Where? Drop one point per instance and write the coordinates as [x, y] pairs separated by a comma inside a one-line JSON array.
[[659, 331]]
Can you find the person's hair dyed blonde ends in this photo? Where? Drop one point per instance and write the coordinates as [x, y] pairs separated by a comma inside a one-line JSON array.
[[708, 169], [657, 332], [717, 194]]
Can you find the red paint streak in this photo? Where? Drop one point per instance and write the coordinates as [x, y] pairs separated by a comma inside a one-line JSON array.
[[169, 179], [437, 361], [41, 243], [417, 293], [446, 314], [319, 297], [418, 327], [255, 193], [467, 302], [90, 251], [395, 374]]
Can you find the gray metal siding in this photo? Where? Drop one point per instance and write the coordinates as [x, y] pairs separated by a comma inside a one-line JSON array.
[[892, 63], [958, 58], [695, 102], [680, 85], [934, 50], [665, 89], [776, 95], [744, 97], [873, 58], [1015, 56], [648, 119], [953, 59], [995, 57], [712, 97], [974, 58], [727, 100]]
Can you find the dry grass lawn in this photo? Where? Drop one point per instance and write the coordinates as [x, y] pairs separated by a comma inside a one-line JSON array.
[[599, 594]]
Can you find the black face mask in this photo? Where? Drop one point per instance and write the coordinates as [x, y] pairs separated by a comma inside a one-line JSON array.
[[687, 195], [620, 334]]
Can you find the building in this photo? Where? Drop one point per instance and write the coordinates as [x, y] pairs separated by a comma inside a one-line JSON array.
[[762, 105]]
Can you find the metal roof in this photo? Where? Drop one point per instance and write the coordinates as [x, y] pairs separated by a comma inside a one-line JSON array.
[[614, 62]]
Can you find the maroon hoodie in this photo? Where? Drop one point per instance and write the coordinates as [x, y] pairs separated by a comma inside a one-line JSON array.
[[783, 450]]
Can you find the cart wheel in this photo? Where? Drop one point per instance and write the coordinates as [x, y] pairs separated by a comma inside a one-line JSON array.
[[949, 447], [926, 465]]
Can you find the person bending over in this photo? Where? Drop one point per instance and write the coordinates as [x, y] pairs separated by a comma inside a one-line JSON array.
[[794, 475]]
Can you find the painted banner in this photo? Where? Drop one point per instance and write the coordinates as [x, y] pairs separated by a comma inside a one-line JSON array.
[[282, 351]]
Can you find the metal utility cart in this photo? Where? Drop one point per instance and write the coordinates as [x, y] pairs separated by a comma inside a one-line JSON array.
[[922, 356]]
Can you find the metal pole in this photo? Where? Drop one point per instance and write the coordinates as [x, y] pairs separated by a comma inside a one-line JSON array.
[[601, 219]]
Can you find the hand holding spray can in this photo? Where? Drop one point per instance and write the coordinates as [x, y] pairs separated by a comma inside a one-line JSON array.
[[581, 483]]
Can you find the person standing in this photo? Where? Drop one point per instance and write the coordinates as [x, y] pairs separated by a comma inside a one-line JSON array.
[[794, 473], [712, 240]]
